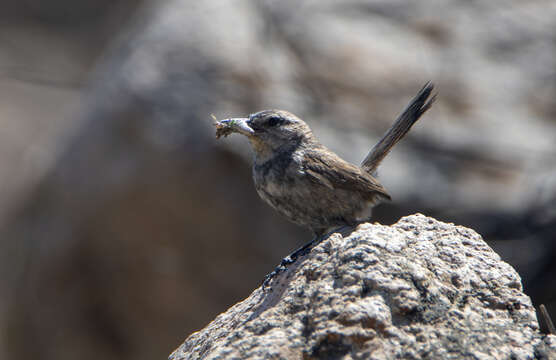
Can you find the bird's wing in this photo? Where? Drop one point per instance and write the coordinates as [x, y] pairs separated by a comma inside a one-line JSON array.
[[328, 169]]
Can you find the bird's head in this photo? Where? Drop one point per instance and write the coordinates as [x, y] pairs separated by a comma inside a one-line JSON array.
[[268, 130]]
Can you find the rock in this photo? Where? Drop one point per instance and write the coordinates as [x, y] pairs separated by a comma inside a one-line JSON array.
[[127, 212], [547, 349], [417, 289]]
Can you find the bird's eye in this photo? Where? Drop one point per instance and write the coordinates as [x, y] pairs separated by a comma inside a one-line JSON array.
[[273, 121]]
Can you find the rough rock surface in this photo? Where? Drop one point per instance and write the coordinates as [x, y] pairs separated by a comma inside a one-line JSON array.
[[417, 289], [125, 212]]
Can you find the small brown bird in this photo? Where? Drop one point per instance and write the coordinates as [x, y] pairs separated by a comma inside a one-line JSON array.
[[306, 182]]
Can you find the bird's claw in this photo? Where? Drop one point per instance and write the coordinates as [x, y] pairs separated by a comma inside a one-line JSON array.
[[268, 278], [290, 259], [279, 269]]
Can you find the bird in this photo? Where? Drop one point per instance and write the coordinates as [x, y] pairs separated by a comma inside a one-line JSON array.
[[309, 184]]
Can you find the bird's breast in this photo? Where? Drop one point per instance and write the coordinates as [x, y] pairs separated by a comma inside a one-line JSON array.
[[279, 175]]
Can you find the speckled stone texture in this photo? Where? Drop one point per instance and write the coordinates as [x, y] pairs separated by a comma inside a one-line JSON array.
[[419, 289]]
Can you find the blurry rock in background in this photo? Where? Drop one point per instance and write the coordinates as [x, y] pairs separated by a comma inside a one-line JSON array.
[[126, 226]]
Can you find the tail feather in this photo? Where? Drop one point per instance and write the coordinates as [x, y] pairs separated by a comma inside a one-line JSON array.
[[417, 107]]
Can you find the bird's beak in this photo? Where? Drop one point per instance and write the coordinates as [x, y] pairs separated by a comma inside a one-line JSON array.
[[238, 125]]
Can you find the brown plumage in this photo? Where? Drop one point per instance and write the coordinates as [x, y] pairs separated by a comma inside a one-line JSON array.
[[306, 182]]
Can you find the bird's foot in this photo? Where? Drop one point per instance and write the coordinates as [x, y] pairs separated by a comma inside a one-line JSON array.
[[290, 259]]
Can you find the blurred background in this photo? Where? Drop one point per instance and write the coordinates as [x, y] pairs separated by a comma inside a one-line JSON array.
[[124, 224]]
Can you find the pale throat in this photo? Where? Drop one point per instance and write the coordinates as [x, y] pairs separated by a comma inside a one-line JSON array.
[[265, 151]]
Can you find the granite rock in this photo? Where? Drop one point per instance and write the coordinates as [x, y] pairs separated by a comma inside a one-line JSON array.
[[414, 290]]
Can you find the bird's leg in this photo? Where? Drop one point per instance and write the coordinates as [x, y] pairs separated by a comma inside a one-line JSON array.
[[291, 258]]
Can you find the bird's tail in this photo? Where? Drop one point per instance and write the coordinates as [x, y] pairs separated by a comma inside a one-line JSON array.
[[417, 107]]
